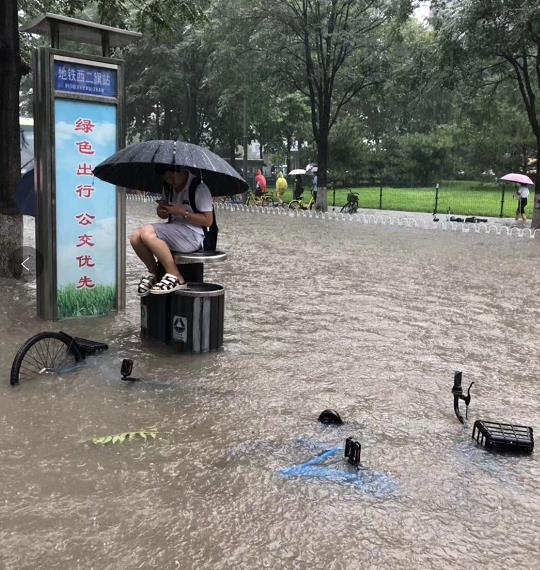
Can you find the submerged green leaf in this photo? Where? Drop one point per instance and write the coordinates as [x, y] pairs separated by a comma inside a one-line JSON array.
[[121, 437]]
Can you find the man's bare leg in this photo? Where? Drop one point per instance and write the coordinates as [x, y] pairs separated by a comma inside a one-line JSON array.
[[142, 251], [161, 250]]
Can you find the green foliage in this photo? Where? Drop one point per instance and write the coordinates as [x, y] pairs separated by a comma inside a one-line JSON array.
[[122, 437], [400, 102], [495, 44]]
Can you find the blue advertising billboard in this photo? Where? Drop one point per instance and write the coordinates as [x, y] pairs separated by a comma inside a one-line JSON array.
[[86, 216]]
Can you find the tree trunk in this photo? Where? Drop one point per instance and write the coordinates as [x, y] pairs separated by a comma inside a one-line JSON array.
[[167, 124], [192, 115], [232, 151], [322, 165], [535, 222], [11, 234], [289, 145], [159, 135]]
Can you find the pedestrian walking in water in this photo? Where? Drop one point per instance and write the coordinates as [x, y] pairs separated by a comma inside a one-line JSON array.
[[298, 187], [260, 183], [522, 195], [281, 186]]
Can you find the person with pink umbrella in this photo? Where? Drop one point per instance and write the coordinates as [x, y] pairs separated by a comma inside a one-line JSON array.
[[522, 192]]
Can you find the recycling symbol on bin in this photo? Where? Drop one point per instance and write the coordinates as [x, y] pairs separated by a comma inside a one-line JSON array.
[[179, 328]]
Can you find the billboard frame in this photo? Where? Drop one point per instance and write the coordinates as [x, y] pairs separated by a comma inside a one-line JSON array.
[[45, 96]]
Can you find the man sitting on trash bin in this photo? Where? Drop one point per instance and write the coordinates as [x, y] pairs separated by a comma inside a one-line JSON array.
[[183, 232]]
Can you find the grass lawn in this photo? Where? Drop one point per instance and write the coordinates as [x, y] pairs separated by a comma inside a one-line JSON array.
[[464, 197]]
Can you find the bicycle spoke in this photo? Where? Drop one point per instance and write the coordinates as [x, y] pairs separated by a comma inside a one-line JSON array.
[[31, 371], [40, 349], [49, 355], [59, 350], [38, 362], [39, 353]]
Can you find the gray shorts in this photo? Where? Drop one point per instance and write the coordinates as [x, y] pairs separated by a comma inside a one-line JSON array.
[[179, 237]]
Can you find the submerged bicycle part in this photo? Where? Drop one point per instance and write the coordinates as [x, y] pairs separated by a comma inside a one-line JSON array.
[[44, 353], [457, 390], [126, 369], [496, 436], [353, 449], [330, 417], [50, 352]]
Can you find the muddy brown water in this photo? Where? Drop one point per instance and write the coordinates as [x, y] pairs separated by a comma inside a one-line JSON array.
[[370, 320]]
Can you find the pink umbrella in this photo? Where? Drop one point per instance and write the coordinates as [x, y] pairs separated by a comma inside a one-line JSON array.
[[519, 178]]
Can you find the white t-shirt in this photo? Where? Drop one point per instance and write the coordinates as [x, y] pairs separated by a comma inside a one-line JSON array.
[[203, 201], [523, 191]]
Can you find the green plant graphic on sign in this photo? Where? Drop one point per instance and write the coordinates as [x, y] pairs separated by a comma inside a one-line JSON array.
[[73, 302]]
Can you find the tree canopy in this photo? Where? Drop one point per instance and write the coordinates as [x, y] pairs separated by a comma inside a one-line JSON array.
[[360, 86]]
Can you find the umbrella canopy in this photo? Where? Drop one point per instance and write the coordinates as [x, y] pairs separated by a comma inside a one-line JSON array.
[[311, 169], [519, 178], [297, 171], [25, 195], [136, 167]]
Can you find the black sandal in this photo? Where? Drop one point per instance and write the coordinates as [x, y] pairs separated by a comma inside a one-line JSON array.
[[168, 284], [145, 284]]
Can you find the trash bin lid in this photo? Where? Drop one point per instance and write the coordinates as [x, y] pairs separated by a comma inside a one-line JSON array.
[[201, 290]]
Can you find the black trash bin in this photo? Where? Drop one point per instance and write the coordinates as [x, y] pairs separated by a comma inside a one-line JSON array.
[[196, 318], [155, 317]]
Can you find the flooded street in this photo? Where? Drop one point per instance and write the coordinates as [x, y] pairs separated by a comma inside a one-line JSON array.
[[367, 319]]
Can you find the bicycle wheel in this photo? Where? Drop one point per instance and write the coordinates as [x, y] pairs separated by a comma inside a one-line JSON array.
[[295, 205], [44, 353], [267, 201]]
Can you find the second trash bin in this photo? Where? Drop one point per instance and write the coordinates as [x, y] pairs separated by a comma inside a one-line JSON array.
[[196, 318]]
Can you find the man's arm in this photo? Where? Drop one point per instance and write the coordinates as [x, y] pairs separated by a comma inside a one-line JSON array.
[[202, 219]]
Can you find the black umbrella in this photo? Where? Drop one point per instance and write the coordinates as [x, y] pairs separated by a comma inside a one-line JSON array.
[[25, 195], [137, 167]]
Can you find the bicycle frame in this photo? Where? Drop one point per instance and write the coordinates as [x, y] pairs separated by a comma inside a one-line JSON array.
[[262, 200], [301, 205]]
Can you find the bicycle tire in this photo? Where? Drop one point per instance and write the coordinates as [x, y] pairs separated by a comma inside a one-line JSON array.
[[31, 361], [345, 209], [267, 201], [295, 205]]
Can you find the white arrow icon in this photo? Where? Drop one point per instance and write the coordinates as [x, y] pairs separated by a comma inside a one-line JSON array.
[[23, 264]]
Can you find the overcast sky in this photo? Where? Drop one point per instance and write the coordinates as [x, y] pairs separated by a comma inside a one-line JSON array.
[[422, 12]]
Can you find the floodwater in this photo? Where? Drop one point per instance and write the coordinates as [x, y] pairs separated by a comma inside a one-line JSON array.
[[367, 319]]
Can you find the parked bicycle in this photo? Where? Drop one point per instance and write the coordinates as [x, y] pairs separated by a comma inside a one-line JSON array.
[[263, 200], [235, 199], [301, 205], [352, 203]]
